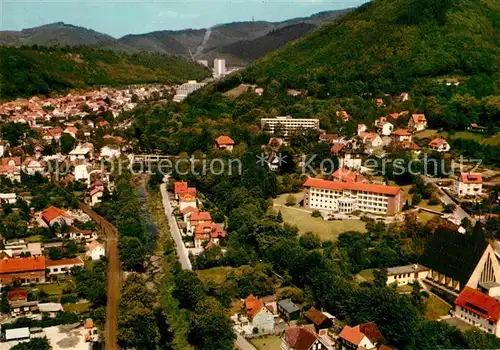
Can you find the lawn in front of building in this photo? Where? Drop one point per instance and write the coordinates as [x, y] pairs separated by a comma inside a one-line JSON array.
[[436, 308], [267, 343], [327, 230], [77, 308]]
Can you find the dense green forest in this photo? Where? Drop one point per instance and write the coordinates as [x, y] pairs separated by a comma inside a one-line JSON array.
[[387, 46], [28, 71]]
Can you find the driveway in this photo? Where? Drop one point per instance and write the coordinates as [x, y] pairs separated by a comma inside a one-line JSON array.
[[244, 344], [182, 253]]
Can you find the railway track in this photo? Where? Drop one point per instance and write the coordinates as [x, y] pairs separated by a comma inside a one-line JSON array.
[[114, 277]]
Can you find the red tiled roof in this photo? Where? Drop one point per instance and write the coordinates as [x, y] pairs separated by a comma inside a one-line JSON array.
[[346, 175], [52, 212], [224, 140], [419, 118], [352, 334], [180, 186], [17, 294], [186, 197], [217, 231], [93, 245], [300, 338], [371, 331], [401, 132], [356, 186], [22, 264], [411, 145], [201, 216], [252, 306], [61, 262], [479, 303], [337, 148], [316, 316], [437, 142], [469, 178], [189, 210], [53, 132], [15, 160]]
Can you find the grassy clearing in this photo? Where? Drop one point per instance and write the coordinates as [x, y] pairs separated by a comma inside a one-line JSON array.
[[54, 288], [327, 230], [267, 343], [281, 199], [425, 216], [237, 91], [77, 308], [366, 275], [215, 275], [436, 308], [34, 239]]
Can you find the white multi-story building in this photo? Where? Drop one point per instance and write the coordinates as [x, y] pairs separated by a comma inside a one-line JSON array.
[[348, 197], [479, 310], [469, 184], [288, 123], [219, 67], [187, 88]]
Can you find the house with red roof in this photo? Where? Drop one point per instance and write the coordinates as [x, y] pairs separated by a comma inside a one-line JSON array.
[[94, 251], [300, 338], [343, 116], [17, 296], [439, 145], [25, 270], [52, 134], [182, 187], [371, 140], [479, 310], [62, 266], [417, 122], [11, 168], [259, 316], [347, 197], [363, 336], [208, 233], [468, 184], [202, 217], [186, 213], [224, 143], [53, 215], [401, 135], [187, 199]]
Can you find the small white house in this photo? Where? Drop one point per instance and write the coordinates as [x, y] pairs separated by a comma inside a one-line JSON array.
[[387, 129], [95, 250], [63, 266], [8, 198], [469, 184], [110, 152]]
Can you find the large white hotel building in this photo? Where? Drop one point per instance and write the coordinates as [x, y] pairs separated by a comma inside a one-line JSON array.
[[348, 197], [289, 123]]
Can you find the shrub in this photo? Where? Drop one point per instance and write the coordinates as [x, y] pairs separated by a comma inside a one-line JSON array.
[[291, 200], [316, 214]]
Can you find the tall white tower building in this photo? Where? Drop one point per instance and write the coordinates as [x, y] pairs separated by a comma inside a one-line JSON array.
[[219, 67]]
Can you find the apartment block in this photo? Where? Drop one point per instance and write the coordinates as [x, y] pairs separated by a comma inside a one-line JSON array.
[[346, 198], [288, 123]]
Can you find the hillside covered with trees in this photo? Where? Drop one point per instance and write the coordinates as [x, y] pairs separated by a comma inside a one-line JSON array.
[[28, 71], [387, 45]]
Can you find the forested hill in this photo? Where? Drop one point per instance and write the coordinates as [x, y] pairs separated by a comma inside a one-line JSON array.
[[385, 44], [30, 71]]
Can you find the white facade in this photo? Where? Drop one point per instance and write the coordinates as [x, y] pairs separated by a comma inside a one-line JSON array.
[[387, 129], [468, 185], [82, 173], [477, 321], [346, 200], [289, 123], [95, 252], [110, 152], [403, 275], [64, 266], [263, 321], [219, 67]]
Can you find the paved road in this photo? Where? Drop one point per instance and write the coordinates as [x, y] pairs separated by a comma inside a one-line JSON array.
[[459, 213], [182, 253], [113, 277], [243, 344]]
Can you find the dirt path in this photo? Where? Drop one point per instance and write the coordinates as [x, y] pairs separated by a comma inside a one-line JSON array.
[[113, 277]]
